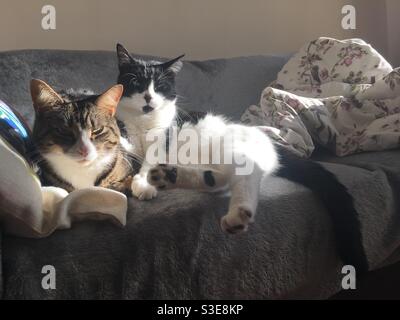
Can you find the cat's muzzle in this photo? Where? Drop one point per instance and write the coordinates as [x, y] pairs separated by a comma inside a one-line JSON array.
[[147, 109]]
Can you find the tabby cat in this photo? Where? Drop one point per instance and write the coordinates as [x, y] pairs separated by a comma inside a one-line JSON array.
[[78, 141]]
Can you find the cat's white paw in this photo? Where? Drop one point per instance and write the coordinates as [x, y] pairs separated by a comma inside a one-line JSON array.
[[163, 176], [141, 189], [237, 220]]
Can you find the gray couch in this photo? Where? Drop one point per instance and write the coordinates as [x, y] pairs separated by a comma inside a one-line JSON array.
[[172, 247]]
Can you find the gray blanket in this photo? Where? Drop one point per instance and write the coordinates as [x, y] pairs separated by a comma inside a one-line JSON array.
[[172, 247]]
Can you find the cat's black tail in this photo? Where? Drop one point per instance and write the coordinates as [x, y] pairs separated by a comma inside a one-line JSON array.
[[337, 200]]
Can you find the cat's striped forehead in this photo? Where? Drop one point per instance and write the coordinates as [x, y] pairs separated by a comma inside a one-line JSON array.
[[82, 113]]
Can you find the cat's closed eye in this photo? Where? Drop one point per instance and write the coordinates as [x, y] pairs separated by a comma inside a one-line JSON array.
[[98, 132]]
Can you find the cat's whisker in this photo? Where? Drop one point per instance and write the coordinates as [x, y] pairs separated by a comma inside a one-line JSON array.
[[180, 97], [186, 113], [133, 154], [128, 162]]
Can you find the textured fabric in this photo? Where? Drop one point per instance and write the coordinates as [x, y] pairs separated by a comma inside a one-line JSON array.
[[342, 94], [29, 210], [172, 247]]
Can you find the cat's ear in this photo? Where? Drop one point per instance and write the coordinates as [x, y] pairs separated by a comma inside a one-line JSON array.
[[174, 65], [108, 101], [124, 58], [43, 96]]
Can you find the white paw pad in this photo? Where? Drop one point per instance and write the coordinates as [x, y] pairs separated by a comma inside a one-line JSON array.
[[142, 189], [237, 220]]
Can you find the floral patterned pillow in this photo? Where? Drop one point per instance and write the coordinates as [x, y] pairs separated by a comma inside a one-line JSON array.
[[340, 94]]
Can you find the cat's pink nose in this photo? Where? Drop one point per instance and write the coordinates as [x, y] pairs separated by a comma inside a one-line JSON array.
[[83, 151]]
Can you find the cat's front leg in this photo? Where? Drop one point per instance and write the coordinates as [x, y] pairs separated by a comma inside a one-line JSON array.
[[123, 185], [165, 176], [141, 189]]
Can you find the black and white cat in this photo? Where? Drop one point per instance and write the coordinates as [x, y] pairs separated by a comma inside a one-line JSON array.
[[149, 104]]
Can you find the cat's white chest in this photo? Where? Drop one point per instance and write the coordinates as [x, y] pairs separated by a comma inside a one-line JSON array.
[[75, 174], [79, 178]]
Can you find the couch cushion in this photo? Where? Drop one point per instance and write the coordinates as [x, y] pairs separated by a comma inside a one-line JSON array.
[[173, 248], [227, 86]]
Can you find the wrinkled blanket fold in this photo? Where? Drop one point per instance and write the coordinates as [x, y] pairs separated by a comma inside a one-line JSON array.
[[30, 210], [342, 95]]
